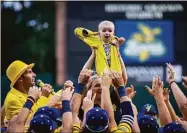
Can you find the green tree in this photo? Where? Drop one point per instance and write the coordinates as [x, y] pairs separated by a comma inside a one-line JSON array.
[[28, 34]]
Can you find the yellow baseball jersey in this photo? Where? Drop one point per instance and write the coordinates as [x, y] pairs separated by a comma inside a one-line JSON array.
[[101, 59], [15, 100]]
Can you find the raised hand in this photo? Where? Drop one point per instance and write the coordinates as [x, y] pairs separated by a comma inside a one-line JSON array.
[[171, 72], [67, 94], [166, 92], [130, 92], [117, 79], [88, 101], [150, 91], [157, 86], [46, 90], [34, 92], [106, 81], [118, 41], [67, 84], [84, 76], [121, 40]]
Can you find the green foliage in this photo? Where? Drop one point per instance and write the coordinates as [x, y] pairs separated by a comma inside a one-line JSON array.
[[29, 42]]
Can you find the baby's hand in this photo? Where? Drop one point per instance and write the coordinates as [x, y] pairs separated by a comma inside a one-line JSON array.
[[121, 40], [118, 41]]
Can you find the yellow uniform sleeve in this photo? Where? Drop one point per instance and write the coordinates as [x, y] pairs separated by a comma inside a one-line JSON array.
[[122, 128], [89, 37], [58, 130], [26, 128], [76, 128]]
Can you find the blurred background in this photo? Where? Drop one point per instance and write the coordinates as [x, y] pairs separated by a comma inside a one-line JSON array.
[[43, 33]]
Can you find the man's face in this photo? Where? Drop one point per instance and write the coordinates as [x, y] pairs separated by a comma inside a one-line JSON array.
[[106, 32], [96, 88], [28, 78]]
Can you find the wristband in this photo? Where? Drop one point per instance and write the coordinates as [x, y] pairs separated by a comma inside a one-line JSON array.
[[171, 82], [28, 104], [65, 106], [121, 91], [127, 113], [32, 98], [79, 88], [126, 108]]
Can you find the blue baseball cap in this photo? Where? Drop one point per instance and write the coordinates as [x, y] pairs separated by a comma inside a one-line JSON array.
[[172, 127], [147, 124], [148, 109], [97, 120], [3, 129], [52, 113], [45, 119], [42, 123]]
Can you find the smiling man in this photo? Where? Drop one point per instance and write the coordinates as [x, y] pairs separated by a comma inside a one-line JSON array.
[[22, 78]]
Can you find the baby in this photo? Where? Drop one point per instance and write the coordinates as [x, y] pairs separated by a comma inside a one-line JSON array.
[[106, 46]]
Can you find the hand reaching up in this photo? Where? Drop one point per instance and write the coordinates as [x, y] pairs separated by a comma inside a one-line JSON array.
[[67, 94], [171, 73], [84, 76], [157, 88], [157, 85], [121, 40], [34, 92], [166, 94], [46, 90], [117, 79], [130, 92], [67, 84], [150, 91], [118, 41], [106, 81], [88, 101]]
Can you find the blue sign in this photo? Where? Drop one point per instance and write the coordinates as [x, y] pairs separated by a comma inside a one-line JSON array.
[[146, 41]]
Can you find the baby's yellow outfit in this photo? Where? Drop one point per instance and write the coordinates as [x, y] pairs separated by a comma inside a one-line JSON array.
[[106, 54]]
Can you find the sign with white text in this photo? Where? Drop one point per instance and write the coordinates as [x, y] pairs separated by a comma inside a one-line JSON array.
[[141, 75]]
